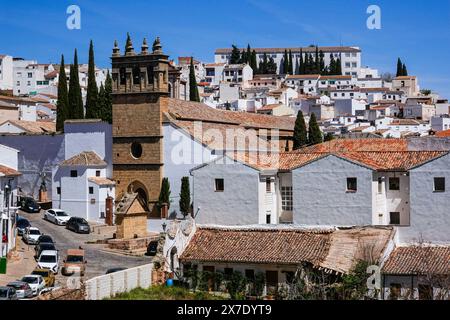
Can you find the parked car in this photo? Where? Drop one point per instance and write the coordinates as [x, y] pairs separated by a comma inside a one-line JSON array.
[[57, 216], [23, 289], [112, 270], [152, 248], [21, 225], [45, 239], [78, 225], [8, 293], [36, 283], [31, 235], [41, 247], [29, 205], [75, 262], [48, 276], [49, 259]]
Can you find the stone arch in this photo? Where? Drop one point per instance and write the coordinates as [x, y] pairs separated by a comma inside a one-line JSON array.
[[141, 190]]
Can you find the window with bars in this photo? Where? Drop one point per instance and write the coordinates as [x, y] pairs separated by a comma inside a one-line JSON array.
[[286, 198]]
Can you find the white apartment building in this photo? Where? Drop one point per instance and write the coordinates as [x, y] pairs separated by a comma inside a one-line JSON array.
[[214, 73], [6, 72], [30, 77], [305, 84], [350, 56]]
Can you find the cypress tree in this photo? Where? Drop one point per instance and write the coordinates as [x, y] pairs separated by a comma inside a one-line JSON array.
[[271, 66], [254, 63], [101, 102], [321, 62], [243, 58], [235, 55], [107, 100], [317, 62], [315, 135], [338, 67], [249, 55], [185, 197], [62, 105], [332, 67], [76, 110], [286, 62], [264, 64], [399, 68], [193, 89], [404, 70], [164, 195], [92, 107], [300, 132], [301, 66], [291, 65], [306, 66]]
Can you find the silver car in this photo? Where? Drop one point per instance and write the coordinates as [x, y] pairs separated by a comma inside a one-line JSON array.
[[23, 289]]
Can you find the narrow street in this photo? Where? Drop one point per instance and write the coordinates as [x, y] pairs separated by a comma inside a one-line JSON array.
[[98, 261]]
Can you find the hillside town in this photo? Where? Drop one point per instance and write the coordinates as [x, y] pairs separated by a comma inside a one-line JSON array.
[[265, 173]]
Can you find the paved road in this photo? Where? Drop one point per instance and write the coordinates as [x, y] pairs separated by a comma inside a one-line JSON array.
[[97, 261]]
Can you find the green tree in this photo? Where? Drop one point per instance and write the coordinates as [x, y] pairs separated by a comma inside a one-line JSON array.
[[271, 66], [321, 62], [328, 137], [92, 107], [332, 66], [107, 100], [300, 132], [235, 55], [291, 65], [249, 55], [264, 64], [306, 67], [301, 66], [317, 61], [62, 105], [243, 58], [193, 89], [254, 63], [185, 197], [338, 67], [315, 135], [76, 110], [399, 68], [285, 62], [404, 70], [164, 195]]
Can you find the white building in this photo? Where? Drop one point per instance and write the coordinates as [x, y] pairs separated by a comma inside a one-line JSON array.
[[238, 73], [305, 84], [6, 72], [441, 123], [30, 77], [350, 56]]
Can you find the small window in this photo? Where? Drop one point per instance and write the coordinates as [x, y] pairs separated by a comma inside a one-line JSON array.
[[380, 185], [394, 218], [136, 150], [58, 190], [91, 190], [219, 185], [250, 274], [268, 185], [97, 173], [439, 184], [352, 185], [73, 173], [268, 219], [228, 272], [394, 184]]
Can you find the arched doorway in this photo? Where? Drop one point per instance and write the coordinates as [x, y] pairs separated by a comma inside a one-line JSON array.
[[139, 188]]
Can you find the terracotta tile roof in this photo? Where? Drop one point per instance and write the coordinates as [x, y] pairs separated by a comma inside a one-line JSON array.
[[49, 105], [418, 260], [303, 76], [293, 49], [84, 159], [355, 145], [51, 75], [17, 100], [405, 122], [256, 246], [270, 106], [102, 181], [48, 95], [194, 111], [40, 100], [8, 105], [335, 250], [335, 77], [8, 172], [405, 78], [214, 64], [443, 134], [33, 127]]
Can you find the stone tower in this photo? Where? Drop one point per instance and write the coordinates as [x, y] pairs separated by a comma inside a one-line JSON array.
[[139, 80]]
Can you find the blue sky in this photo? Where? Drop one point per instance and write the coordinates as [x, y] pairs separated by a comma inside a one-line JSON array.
[[418, 31]]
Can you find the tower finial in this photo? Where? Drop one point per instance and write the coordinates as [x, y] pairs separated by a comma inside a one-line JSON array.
[[157, 47], [144, 47], [116, 50], [129, 50]]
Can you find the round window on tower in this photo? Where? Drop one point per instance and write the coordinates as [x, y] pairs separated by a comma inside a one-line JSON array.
[[136, 150]]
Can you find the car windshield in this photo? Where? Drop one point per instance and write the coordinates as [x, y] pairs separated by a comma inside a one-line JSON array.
[[3, 293], [47, 259], [46, 246], [82, 221], [74, 259], [30, 279], [45, 239], [41, 273], [15, 285], [34, 232], [61, 214]]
